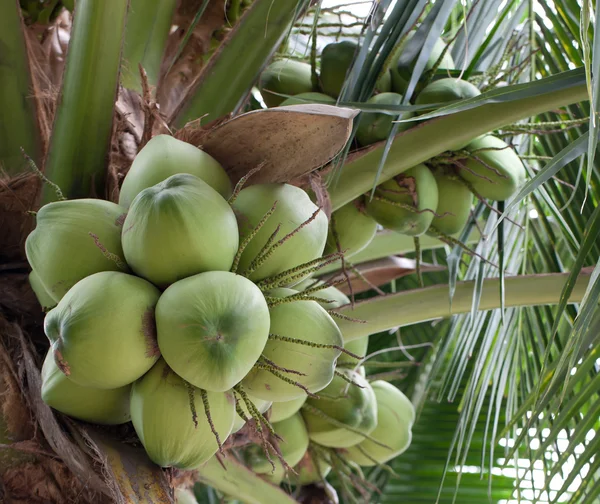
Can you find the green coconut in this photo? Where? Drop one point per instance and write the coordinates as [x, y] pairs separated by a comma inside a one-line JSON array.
[[351, 405], [495, 171], [285, 409], [212, 328], [354, 229], [304, 98], [446, 90], [293, 209], [178, 228], [284, 77], [384, 82], [46, 300], [301, 320], [169, 418], [376, 126], [292, 447], [261, 405], [164, 156], [336, 59], [357, 347], [401, 74], [62, 249], [395, 417], [102, 332], [454, 203], [415, 188], [101, 406]]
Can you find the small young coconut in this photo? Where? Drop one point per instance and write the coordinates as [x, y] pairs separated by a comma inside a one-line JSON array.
[[406, 203], [352, 405], [46, 300], [495, 170], [178, 228], [261, 406], [401, 74], [169, 417], [285, 77], [354, 230], [103, 333], [395, 417], [376, 126], [309, 471], [301, 321], [357, 347], [66, 244], [303, 98], [454, 203], [101, 406], [164, 156], [446, 90], [336, 59], [293, 209], [284, 409], [212, 328], [293, 447]]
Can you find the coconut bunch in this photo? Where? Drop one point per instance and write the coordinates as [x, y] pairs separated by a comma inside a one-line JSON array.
[[434, 197], [187, 307]]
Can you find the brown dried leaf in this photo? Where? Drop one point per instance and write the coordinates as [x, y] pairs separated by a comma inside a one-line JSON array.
[[380, 272], [291, 141]]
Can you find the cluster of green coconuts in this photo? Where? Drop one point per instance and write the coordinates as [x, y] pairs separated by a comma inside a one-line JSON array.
[[433, 197], [188, 308]]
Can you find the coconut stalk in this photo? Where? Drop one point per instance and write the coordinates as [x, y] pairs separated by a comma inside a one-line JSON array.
[[228, 76], [146, 35], [236, 480], [441, 134], [420, 305], [80, 141], [388, 243], [19, 127]]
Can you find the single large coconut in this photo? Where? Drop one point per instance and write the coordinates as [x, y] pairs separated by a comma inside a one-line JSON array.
[[68, 241], [261, 406], [212, 328], [169, 418], [293, 209], [101, 406], [303, 98], [300, 320], [395, 417], [454, 203], [284, 77], [292, 447], [376, 126], [336, 59], [351, 228], [446, 90], [350, 405], [164, 156], [406, 203], [285, 409], [102, 333], [494, 170], [178, 228]]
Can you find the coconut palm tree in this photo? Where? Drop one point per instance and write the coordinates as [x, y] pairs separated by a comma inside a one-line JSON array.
[[493, 335]]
